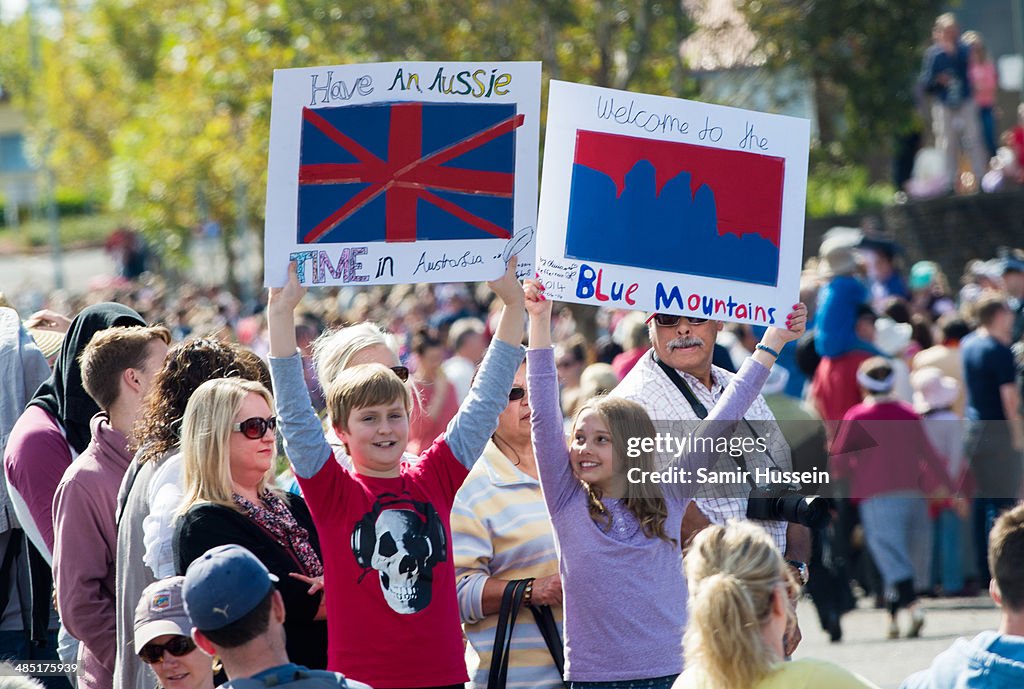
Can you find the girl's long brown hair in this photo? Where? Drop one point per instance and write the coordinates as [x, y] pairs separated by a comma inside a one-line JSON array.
[[626, 419]]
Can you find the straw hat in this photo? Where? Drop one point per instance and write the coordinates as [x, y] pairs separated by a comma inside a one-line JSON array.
[[48, 341], [836, 257]]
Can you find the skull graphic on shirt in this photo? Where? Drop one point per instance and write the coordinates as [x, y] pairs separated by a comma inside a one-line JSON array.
[[406, 545]]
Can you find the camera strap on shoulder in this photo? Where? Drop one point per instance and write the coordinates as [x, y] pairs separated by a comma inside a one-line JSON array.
[[702, 413], [698, 408]]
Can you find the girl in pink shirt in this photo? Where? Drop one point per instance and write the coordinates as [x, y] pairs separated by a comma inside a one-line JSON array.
[[982, 73]]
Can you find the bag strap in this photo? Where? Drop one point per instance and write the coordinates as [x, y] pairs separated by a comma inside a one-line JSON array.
[[552, 639], [511, 600]]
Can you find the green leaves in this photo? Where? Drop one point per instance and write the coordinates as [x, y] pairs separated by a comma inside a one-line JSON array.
[[862, 57], [163, 107]]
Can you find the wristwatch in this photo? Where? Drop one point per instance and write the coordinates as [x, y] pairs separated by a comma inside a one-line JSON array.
[[801, 569]]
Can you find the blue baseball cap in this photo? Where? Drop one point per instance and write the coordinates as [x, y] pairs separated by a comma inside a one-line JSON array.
[[223, 585]]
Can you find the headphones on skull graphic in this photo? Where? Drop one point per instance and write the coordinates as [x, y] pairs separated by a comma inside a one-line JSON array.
[[364, 535]]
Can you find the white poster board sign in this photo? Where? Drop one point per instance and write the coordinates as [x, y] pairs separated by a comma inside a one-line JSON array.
[[398, 173], [661, 204]]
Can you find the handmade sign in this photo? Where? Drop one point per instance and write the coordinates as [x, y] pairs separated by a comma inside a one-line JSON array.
[[668, 205], [399, 173]]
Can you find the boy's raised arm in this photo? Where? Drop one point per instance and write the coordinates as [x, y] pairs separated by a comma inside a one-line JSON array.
[[546, 421], [468, 432], [304, 441]]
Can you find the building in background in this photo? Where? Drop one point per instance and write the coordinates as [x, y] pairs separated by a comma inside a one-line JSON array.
[[18, 181]]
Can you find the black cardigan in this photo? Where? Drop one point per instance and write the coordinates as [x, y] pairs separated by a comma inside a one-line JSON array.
[[205, 526]]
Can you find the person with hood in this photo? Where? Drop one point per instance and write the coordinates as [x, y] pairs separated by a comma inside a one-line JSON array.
[[55, 426], [838, 300], [992, 659]]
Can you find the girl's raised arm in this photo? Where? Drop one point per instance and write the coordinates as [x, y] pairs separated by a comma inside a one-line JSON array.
[[556, 478]]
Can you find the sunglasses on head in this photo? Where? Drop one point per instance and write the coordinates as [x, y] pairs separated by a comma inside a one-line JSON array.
[[666, 320], [178, 646], [516, 393], [402, 372], [256, 427]]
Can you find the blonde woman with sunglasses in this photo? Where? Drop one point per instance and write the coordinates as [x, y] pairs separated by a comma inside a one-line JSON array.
[[229, 447]]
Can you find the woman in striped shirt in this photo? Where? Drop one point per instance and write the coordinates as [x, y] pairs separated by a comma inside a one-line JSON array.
[[501, 532]]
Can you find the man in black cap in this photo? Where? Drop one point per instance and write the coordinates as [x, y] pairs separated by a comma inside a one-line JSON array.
[[238, 615]]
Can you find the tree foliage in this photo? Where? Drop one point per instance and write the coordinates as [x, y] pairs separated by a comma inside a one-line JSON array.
[[862, 57], [164, 107]]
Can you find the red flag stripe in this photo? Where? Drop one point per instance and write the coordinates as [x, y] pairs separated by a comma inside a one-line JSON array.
[[342, 173], [499, 184]]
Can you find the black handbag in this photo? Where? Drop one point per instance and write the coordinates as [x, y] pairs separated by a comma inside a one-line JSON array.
[[511, 601]]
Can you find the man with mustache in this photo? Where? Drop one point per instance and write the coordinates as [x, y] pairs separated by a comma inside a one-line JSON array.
[[685, 345]]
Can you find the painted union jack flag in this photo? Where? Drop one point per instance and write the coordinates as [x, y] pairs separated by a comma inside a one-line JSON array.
[[398, 172]]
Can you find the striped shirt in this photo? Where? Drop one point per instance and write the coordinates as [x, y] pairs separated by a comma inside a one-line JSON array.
[[500, 528]]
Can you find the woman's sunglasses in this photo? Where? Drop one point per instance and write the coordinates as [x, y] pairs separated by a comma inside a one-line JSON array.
[[402, 372], [666, 320], [516, 393], [256, 427], [178, 646]]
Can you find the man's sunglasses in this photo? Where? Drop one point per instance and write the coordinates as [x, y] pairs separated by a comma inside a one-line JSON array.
[[178, 646], [256, 427], [516, 393], [402, 372], [666, 320]]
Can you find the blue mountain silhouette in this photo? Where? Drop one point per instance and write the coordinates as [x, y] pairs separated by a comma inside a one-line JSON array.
[[675, 231]]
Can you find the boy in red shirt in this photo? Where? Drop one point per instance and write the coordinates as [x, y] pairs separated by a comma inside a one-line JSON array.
[[389, 580]]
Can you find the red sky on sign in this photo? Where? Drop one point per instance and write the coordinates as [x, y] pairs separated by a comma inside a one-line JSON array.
[[747, 186]]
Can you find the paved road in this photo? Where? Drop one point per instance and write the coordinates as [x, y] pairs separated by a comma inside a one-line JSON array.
[[35, 272], [865, 649]]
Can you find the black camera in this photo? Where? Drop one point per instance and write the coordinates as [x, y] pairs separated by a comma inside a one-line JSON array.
[[785, 503]]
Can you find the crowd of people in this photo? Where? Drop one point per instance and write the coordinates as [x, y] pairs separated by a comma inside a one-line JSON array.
[[957, 91], [365, 487], [365, 482]]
